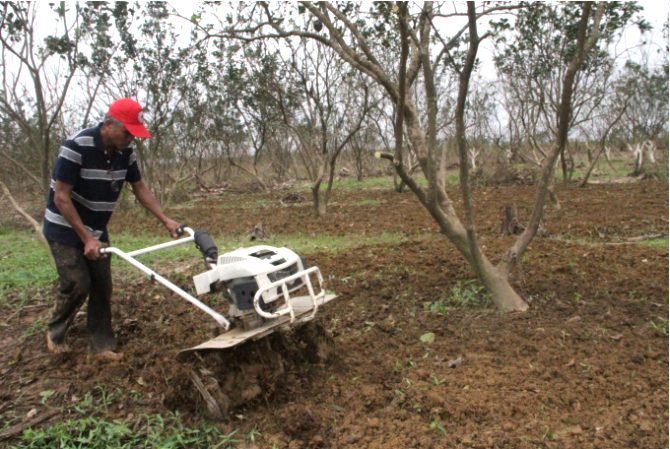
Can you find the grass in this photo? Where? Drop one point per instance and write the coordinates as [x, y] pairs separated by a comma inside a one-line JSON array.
[[24, 262], [91, 430], [463, 294], [657, 244]]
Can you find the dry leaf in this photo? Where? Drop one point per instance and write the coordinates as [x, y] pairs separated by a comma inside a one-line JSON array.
[[570, 363], [31, 413], [570, 431], [454, 363], [616, 337], [574, 318]]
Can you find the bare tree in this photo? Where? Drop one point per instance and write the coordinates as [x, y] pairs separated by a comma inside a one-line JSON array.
[[36, 80], [415, 35]]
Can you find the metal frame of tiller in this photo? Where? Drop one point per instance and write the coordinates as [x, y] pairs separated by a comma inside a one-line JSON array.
[[223, 322]]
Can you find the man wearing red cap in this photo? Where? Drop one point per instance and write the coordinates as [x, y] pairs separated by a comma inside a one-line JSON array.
[[91, 168]]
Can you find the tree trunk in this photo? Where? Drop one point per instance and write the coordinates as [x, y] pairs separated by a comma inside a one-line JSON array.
[[503, 295], [510, 222]]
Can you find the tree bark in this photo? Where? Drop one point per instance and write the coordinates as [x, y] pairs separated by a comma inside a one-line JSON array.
[[509, 224]]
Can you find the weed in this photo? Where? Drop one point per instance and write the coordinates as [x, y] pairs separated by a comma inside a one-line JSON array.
[[661, 326], [436, 425], [46, 395], [437, 381], [251, 436], [548, 433], [657, 244], [92, 431], [38, 326], [464, 294]]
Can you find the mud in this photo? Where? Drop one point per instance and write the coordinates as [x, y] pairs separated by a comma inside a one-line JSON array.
[[586, 366]]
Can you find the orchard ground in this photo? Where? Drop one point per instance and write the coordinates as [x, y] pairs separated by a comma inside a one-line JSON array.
[[414, 355]]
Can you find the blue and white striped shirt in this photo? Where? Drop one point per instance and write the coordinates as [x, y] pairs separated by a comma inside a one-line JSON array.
[[83, 163]]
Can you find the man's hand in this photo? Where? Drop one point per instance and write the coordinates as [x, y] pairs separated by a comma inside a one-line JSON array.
[[92, 249], [172, 227]]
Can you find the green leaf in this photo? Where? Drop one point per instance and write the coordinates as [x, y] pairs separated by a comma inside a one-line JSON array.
[[428, 338], [46, 395]]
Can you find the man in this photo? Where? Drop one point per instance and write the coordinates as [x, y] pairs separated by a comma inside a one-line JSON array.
[[91, 168]]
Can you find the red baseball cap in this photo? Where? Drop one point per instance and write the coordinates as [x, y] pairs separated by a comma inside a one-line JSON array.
[[130, 113]]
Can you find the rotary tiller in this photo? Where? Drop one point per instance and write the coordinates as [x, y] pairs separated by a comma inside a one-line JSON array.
[[256, 281]]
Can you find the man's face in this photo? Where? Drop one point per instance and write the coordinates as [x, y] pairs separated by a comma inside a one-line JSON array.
[[118, 135]]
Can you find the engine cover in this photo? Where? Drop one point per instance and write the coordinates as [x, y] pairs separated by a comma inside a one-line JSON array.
[[247, 270]]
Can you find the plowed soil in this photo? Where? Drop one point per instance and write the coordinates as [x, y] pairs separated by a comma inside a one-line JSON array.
[[586, 366]]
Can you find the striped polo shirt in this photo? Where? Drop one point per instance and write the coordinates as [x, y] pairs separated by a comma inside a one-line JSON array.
[[97, 179]]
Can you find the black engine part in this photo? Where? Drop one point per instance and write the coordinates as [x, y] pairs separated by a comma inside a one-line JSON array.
[[243, 291], [204, 242]]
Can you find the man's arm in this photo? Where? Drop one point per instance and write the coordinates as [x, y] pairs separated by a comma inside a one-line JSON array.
[[147, 200], [67, 210]]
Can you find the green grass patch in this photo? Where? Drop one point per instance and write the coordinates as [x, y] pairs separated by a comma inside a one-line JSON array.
[[452, 178], [24, 262], [385, 182], [657, 244], [92, 430], [464, 294]]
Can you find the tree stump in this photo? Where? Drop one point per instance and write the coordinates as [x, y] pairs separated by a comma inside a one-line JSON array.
[[509, 225], [291, 198], [257, 233]]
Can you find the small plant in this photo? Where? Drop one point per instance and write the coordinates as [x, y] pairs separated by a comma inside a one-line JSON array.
[[37, 327], [438, 307], [661, 326], [46, 395], [464, 294], [548, 433], [437, 381], [436, 425], [251, 436], [105, 397]]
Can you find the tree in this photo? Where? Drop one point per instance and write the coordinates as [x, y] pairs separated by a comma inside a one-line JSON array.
[[422, 50], [29, 95], [533, 61], [646, 117]]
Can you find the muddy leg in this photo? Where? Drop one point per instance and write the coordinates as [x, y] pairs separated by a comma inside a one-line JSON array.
[[99, 306], [74, 287]]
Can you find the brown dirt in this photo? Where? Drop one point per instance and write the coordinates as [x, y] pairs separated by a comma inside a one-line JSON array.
[[585, 367]]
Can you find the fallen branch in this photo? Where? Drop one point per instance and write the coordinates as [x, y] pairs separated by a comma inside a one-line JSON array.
[[642, 238], [213, 408], [24, 308], [19, 428]]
